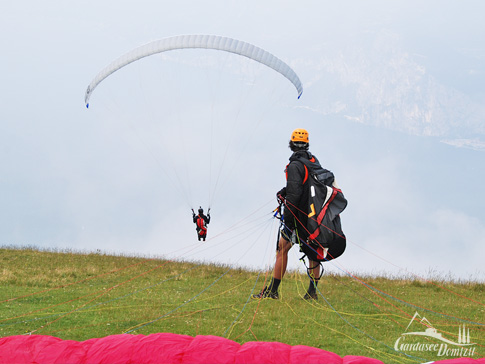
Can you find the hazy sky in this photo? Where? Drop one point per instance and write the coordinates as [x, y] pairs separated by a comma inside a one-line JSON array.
[[177, 131]]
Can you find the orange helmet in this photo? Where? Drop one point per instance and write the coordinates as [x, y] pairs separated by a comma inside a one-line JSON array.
[[299, 136]]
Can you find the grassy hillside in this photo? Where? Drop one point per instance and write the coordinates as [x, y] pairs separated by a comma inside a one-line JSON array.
[[80, 296]]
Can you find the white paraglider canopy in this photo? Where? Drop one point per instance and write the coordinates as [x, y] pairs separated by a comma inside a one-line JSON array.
[[197, 41]]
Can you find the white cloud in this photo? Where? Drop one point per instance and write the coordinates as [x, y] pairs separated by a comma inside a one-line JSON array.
[[72, 177]]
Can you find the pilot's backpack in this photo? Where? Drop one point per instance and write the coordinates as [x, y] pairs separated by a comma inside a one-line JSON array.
[[326, 240]]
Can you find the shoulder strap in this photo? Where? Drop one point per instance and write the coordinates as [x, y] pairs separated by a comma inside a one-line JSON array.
[[321, 174]]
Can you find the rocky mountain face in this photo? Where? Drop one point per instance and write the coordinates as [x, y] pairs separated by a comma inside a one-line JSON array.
[[373, 80]]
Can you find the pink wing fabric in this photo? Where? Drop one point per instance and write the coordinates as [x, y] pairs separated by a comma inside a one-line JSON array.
[[169, 348]]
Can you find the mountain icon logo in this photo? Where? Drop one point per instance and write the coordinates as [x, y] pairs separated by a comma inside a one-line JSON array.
[[444, 346]]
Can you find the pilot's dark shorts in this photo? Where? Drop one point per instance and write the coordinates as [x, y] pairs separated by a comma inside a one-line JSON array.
[[286, 233]]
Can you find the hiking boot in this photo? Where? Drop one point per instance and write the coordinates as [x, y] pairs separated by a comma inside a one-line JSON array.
[[311, 296], [266, 293]]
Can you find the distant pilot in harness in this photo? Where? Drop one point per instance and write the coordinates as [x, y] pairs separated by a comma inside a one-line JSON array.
[[201, 222]]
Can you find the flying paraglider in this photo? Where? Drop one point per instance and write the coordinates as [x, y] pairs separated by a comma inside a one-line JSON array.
[[201, 221], [197, 41]]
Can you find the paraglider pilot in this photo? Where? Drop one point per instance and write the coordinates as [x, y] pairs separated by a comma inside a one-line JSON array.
[[201, 221], [293, 231]]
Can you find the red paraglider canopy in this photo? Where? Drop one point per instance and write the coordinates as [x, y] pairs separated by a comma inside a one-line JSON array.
[[168, 348]]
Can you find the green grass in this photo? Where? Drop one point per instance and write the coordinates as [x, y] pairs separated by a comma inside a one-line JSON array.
[[80, 296]]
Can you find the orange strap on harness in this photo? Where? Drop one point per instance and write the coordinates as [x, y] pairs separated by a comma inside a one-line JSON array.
[[306, 171]]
